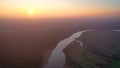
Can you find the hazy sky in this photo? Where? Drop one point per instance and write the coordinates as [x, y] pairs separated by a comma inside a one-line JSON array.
[[53, 8]]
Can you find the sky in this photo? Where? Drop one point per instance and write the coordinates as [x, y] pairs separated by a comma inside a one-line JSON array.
[[58, 8]]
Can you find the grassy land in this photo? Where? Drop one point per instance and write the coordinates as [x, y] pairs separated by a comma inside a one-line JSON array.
[[115, 64]]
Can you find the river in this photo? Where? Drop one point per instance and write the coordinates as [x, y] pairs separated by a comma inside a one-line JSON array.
[[57, 57]]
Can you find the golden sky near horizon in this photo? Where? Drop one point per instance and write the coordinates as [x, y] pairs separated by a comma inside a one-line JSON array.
[[57, 8]]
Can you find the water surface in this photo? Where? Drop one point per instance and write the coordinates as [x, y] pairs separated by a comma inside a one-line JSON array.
[[57, 57]]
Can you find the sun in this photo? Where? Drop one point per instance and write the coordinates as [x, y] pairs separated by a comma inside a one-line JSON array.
[[30, 12]]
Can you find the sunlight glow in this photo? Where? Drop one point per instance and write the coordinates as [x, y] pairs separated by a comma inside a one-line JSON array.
[[58, 8], [30, 12]]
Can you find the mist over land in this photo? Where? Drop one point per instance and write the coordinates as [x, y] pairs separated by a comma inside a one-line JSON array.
[[27, 43]]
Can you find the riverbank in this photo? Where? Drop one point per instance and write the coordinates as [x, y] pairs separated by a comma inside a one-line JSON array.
[[101, 49]]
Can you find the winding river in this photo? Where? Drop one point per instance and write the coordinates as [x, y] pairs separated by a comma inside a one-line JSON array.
[[57, 57]]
